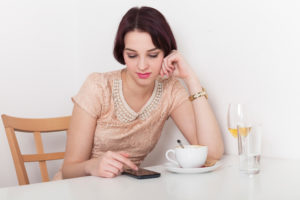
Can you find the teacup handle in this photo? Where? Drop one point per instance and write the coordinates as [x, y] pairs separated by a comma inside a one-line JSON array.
[[169, 159]]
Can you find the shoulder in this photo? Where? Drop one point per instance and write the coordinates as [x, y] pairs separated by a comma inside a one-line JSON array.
[[102, 80]]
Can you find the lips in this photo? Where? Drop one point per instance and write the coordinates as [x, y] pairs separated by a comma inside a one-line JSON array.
[[143, 75]]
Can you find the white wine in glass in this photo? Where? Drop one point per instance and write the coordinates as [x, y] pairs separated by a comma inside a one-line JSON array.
[[236, 117]]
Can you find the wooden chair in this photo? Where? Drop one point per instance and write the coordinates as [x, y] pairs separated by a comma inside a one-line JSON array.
[[35, 126]]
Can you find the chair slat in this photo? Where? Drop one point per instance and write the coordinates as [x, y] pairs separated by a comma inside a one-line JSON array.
[[16, 154], [43, 157], [38, 142], [40, 150], [40, 125]]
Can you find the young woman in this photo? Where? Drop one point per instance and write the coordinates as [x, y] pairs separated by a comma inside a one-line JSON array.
[[118, 116]]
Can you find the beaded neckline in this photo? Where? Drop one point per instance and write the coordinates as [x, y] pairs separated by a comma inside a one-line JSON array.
[[123, 111]]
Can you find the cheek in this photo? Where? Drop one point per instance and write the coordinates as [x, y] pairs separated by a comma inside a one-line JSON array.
[[130, 62], [157, 63]]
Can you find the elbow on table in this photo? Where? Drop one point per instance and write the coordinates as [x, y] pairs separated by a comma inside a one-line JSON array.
[[217, 153], [68, 171], [63, 172]]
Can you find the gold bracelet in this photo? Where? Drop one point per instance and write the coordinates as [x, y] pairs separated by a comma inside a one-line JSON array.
[[198, 94]]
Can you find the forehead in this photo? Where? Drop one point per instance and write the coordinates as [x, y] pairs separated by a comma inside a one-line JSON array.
[[139, 41]]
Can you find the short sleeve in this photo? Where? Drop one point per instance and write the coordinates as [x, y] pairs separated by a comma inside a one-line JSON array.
[[89, 95], [178, 95]]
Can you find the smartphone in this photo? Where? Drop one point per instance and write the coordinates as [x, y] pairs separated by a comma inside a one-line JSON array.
[[141, 173]]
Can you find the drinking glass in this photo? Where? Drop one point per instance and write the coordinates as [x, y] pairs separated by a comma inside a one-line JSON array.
[[236, 116], [249, 146]]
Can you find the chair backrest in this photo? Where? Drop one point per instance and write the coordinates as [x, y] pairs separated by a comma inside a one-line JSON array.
[[35, 126]]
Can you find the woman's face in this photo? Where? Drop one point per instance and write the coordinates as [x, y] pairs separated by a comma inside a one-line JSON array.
[[142, 58]]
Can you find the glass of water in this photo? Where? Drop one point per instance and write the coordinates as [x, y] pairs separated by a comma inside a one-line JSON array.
[[249, 148]]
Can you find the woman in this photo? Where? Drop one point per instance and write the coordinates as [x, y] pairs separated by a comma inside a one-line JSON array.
[[118, 116]]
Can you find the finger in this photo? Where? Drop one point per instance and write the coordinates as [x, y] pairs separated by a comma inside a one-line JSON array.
[[125, 161], [108, 174], [170, 68], [108, 164], [164, 68], [110, 168], [171, 60], [124, 154], [116, 164], [169, 63], [161, 72]]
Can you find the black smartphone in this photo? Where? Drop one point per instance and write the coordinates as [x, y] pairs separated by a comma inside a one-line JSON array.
[[141, 173]]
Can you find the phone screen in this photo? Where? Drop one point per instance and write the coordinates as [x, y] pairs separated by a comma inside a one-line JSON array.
[[141, 173]]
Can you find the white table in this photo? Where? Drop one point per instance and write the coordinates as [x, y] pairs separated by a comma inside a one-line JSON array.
[[278, 179]]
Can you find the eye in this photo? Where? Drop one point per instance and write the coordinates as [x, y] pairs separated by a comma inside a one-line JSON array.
[[153, 55], [131, 56]]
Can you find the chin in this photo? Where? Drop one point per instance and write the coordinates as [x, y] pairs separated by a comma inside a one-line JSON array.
[[145, 82]]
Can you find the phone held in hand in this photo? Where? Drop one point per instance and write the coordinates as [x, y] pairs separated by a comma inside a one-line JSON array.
[[141, 173]]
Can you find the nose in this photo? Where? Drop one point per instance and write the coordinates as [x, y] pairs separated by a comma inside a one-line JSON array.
[[142, 64]]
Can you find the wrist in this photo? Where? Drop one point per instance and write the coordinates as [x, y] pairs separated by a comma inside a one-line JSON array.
[[88, 166], [199, 94], [193, 84], [189, 75]]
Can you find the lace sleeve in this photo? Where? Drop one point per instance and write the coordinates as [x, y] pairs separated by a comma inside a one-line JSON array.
[[89, 95]]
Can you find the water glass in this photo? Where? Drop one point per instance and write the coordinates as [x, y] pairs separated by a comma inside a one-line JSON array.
[[249, 148]]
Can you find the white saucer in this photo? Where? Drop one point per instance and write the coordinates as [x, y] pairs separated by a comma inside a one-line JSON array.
[[173, 168]]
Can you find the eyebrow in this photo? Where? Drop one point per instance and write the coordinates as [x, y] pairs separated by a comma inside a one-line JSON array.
[[147, 50]]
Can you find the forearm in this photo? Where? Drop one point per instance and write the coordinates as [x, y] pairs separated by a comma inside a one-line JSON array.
[[208, 131], [78, 169]]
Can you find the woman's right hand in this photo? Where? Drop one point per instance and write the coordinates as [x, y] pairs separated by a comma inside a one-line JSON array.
[[109, 165]]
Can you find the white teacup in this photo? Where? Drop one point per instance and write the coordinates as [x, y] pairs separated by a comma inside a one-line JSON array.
[[191, 156]]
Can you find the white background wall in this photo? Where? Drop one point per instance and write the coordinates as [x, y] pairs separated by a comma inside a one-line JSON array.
[[242, 51]]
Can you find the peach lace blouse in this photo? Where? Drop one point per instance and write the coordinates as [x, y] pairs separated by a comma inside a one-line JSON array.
[[119, 128]]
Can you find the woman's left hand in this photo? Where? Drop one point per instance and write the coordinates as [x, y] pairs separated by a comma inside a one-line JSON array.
[[175, 65]]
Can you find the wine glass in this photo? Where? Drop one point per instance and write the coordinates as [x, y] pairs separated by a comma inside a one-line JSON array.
[[248, 138], [236, 119]]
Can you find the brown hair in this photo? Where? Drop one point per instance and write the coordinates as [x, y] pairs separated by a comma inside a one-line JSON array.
[[148, 20]]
